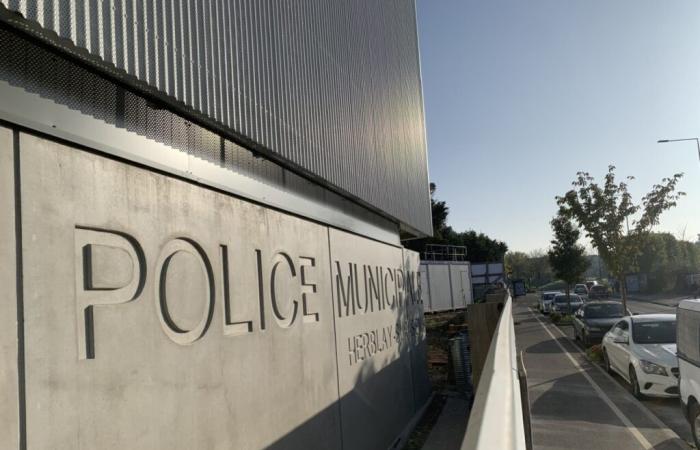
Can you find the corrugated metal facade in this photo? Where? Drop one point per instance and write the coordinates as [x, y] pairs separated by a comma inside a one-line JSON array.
[[330, 87]]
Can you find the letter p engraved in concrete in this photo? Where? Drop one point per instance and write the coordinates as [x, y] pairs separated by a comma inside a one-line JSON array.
[[96, 285]]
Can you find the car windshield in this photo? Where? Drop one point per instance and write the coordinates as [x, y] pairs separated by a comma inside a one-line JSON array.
[[562, 299], [604, 311], [654, 332], [548, 296]]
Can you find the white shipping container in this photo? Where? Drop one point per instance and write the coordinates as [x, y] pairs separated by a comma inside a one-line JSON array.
[[445, 286]]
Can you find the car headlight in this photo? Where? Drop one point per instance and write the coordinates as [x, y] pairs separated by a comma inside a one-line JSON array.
[[651, 368]]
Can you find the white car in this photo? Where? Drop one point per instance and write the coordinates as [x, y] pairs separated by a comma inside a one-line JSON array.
[[546, 301], [642, 349], [689, 363]]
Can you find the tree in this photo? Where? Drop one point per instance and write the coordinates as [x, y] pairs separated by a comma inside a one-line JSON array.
[[666, 260], [439, 210], [480, 247], [567, 257], [518, 265], [605, 212], [533, 267]]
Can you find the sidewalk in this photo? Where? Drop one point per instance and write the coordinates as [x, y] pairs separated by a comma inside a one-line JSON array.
[[574, 404], [449, 430], [671, 300]]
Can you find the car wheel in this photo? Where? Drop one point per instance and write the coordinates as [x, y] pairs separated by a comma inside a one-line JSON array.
[[694, 419], [634, 384], [606, 361]]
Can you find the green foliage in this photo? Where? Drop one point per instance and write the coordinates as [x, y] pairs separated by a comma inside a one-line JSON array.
[[605, 212], [559, 319], [480, 247], [664, 258], [556, 285], [532, 267], [566, 256], [440, 211], [595, 353]]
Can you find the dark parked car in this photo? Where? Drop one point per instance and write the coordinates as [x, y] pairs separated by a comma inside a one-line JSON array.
[[594, 319], [560, 304], [598, 292]]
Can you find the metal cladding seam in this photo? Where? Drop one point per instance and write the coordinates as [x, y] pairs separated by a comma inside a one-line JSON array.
[[332, 87]]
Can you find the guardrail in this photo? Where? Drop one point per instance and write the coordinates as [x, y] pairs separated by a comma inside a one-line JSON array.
[[496, 418]]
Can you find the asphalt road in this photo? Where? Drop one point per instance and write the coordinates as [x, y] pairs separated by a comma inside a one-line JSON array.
[[574, 404]]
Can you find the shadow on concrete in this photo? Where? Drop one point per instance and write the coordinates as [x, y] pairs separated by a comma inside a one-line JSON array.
[[548, 346], [377, 412], [572, 398], [669, 444], [372, 415]]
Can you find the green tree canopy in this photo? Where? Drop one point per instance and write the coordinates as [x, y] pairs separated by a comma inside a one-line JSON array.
[[533, 267], [480, 247], [567, 257], [440, 211], [616, 225]]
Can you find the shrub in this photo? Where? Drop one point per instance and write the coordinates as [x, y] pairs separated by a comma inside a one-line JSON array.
[[560, 319], [595, 353]]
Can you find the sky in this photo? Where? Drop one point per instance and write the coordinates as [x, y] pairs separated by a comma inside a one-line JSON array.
[[521, 95]]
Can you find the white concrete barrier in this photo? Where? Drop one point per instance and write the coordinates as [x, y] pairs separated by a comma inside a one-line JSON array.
[[496, 418]]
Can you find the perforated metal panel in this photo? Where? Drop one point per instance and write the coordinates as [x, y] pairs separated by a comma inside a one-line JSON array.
[[332, 89], [39, 71]]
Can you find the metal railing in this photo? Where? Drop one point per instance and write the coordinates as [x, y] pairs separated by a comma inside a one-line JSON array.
[[439, 252], [496, 418]]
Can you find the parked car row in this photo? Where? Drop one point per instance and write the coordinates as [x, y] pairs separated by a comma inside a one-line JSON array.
[[657, 354], [581, 293], [555, 301]]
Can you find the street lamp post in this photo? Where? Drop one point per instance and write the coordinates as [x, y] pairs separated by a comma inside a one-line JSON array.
[[697, 142]]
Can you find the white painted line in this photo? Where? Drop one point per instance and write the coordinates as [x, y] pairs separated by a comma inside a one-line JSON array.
[[650, 415], [620, 415]]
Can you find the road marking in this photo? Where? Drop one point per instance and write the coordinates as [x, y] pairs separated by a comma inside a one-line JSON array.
[[620, 415], [651, 416]]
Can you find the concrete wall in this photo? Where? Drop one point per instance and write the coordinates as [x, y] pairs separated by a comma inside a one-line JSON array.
[[9, 396], [379, 327], [160, 314]]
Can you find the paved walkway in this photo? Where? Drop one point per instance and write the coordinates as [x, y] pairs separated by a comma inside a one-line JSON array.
[[449, 430], [574, 404], [670, 301]]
